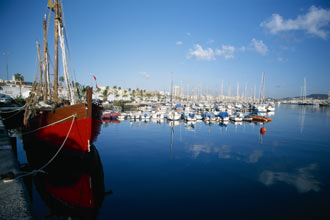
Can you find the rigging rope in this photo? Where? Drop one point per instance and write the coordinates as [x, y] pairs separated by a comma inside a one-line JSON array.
[[56, 122], [41, 169]]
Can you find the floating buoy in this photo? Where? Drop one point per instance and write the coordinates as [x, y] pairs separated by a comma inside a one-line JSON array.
[[263, 130]]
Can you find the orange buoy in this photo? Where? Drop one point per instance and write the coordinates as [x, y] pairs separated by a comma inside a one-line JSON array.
[[263, 130]]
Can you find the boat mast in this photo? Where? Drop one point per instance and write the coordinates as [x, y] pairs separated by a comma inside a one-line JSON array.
[[45, 67], [262, 88], [171, 94], [57, 21], [304, 91], [40, 87]]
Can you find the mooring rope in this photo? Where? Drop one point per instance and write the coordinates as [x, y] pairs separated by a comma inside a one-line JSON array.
[[41, 169], [56, 122], [17, 111]]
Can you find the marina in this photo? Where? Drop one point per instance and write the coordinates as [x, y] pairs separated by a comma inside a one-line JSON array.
[[188, 169], [155, 110]]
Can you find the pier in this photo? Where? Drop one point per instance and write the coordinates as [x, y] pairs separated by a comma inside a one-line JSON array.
[[14, 201]]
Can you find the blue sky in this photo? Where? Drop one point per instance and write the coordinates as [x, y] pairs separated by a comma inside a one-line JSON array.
[[201, 44]]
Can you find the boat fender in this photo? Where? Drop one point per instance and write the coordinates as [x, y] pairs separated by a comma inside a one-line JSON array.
[[8, 177], [263, 130]]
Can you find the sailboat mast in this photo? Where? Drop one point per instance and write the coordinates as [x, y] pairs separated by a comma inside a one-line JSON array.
[[57, 20], [40, 87], [304, 91], [171, 94], [45, 93]]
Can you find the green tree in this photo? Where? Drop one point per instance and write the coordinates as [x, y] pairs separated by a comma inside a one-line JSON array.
[[61, 79], [105, 94], [20, 78], [81, 89], [115, 87]]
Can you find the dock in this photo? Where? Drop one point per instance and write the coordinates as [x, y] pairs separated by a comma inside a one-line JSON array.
[[14, 200]]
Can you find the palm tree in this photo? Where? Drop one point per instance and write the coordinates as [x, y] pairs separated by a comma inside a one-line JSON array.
[[20, 78], [105, 94], [81, 89], [61, 79]]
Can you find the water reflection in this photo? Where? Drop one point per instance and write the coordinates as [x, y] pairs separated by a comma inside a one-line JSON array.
[[225, 152], [107, 122], [303, 179], [71, 188], [302, 118]]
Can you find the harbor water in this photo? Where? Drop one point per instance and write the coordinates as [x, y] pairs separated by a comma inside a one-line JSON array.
[[162, 170]]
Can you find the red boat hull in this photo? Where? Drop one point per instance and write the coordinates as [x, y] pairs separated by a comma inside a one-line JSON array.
[[81, 136], [54, 126]]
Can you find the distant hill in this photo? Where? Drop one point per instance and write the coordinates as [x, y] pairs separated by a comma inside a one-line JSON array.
[[313, 96], [317, 96]]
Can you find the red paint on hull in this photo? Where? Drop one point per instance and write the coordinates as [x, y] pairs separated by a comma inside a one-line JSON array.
[[82, 134]]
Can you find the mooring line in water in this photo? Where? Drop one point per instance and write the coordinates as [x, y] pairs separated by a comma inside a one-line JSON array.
[[40, 170], [56, 122]]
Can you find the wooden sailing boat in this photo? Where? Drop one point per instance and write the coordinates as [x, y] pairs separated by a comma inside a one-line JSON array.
[[73, 123]]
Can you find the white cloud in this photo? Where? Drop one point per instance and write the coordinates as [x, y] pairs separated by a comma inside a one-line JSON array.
[[242, 48], [179, 43], [314, 22], [259, 46], [200, 54], [303, 180], [226, 51], [145, 75], [196, 149]]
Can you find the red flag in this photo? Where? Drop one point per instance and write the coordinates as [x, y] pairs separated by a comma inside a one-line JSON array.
[[95, 81]]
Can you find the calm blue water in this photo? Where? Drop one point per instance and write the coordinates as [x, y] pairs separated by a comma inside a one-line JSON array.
[[202, 171]]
